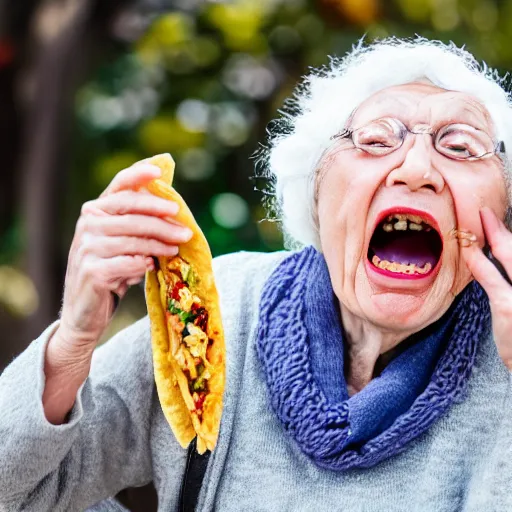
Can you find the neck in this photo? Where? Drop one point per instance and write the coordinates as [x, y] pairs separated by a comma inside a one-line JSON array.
[[369, 349]]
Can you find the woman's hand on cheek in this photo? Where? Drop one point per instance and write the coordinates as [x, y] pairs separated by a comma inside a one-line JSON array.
[[496, 286]]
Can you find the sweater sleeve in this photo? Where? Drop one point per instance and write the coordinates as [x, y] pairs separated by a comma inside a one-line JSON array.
[[104, 446]]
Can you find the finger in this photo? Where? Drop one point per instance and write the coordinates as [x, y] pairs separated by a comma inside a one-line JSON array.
[[499, 238], [132, 178], [121, 290], [486, 274], [109, 273], [126, 201], [111, 246], [134, 281], [138, 226], [150, 263]]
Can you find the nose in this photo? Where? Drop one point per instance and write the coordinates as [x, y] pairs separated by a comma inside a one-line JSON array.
[[416, 170]]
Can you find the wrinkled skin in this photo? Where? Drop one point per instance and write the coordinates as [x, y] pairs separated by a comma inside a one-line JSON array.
[[114, 238], [353, 187]]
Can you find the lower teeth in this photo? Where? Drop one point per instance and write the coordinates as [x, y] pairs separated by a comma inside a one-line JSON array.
[[400, 268]]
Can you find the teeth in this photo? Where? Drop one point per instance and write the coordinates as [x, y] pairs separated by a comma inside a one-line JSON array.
[[401, 268], [402, 222], [397, 216], [425, 269], [403, 216], [414, 218]]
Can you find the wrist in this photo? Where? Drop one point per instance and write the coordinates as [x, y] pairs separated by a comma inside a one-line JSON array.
[[68, 350], [66, 367]]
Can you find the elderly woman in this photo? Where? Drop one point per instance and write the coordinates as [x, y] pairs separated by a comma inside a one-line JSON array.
[[368, 369]]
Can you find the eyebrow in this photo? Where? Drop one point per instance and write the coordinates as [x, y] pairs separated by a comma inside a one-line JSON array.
[[387, 102], [477, 116], [467, 111]]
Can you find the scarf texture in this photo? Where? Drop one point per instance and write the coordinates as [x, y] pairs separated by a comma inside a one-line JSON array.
[[301, 349]]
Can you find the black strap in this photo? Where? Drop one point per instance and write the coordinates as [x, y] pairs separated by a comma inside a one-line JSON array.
[[193, 479]]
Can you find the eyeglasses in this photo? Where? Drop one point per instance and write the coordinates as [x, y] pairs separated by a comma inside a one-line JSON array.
[[455, 141]]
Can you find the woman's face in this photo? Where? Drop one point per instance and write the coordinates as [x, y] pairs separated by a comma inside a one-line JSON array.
[[359, 195]]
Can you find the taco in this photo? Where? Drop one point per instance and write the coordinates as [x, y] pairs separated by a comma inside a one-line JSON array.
[[186, 329]]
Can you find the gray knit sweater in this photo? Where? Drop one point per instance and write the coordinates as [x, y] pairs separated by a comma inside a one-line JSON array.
[[117, 436]]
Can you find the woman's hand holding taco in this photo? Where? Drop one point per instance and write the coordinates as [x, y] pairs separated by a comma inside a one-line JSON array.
[[114, 238]]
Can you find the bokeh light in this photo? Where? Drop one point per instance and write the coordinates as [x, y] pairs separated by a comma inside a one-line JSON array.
[[246, 76], [229, 210], [193, 115], [196, 164], [17, 292], [229, 124]]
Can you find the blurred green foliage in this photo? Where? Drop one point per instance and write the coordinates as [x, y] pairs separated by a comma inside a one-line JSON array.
[[203, 84]]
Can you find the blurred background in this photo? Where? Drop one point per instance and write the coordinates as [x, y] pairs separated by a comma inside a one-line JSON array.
[[87, 87]]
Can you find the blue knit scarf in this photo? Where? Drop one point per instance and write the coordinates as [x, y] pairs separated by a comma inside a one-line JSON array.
[[300, 346]]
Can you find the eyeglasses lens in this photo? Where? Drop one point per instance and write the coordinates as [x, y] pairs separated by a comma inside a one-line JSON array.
[[379, 137], [455, 141], [463, 142]]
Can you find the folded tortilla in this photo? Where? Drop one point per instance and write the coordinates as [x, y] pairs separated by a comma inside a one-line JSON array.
[[186, 329]]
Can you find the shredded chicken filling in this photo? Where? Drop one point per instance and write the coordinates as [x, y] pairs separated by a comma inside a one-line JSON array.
[[189, 319]]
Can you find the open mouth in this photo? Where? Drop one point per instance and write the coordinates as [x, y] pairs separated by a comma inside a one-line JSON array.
[[405, 244]]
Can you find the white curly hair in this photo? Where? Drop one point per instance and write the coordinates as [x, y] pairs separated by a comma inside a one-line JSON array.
[[323, 103]]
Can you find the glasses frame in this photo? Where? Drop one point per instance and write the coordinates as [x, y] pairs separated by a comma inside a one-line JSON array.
[[347, 133]]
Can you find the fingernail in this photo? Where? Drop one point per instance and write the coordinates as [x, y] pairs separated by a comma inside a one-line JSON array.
[[149, 264], [187, 233], [174, 209]]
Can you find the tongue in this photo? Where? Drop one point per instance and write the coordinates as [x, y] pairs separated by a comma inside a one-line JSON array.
[[405, 247]]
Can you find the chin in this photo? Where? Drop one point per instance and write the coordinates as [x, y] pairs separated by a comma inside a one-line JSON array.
[[403, 312]]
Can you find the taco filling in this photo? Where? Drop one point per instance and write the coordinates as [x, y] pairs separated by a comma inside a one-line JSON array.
[[187, 318]]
